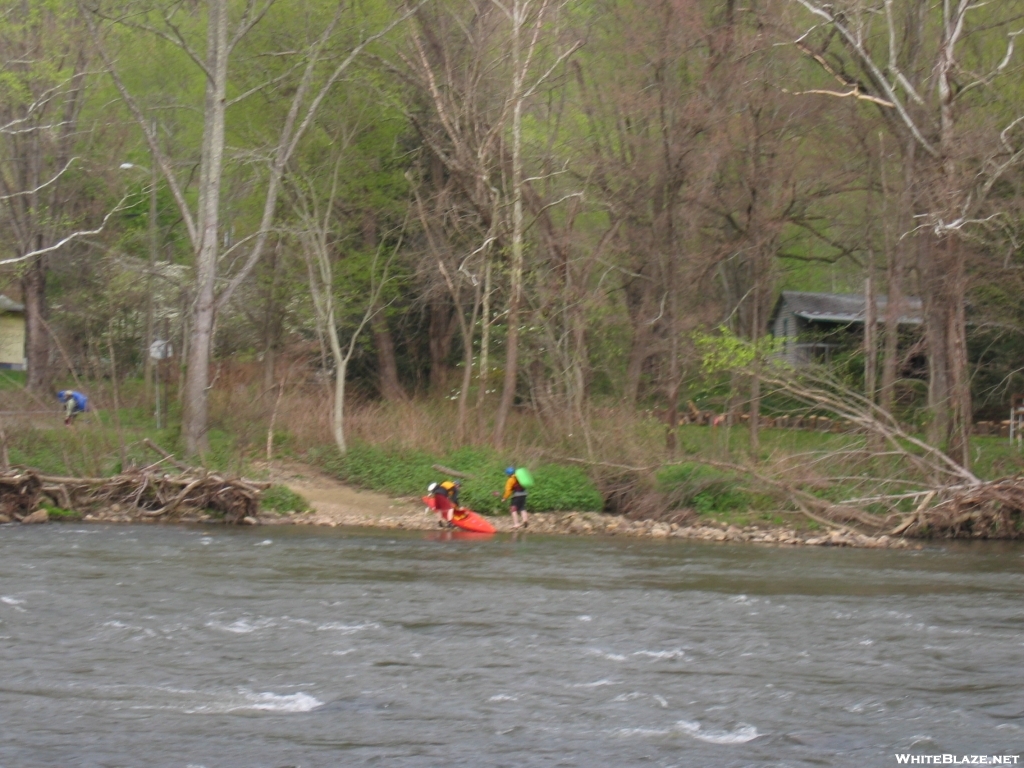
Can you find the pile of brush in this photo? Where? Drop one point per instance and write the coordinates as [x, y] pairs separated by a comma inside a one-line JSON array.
[[19, 493], [987, 510], [149, 492]]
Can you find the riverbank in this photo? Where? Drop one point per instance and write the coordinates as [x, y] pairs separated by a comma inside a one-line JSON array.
[[335, 504]]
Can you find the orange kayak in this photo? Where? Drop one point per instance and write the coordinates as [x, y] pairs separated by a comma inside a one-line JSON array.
[[465, 519]]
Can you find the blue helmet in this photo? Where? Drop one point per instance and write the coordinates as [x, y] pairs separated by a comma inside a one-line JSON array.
[[510, 470]]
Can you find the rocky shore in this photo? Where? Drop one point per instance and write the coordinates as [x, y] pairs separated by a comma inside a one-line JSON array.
[[404, 515], [597, 524], [335, 504]]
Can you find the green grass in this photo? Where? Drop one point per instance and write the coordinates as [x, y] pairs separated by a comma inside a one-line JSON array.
[[408, 473], [58, 513], [278, 498], [12, 379]]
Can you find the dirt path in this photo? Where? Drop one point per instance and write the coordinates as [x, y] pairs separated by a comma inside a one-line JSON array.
[[335, 503]]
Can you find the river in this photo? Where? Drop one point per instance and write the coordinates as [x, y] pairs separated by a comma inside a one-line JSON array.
[[124, 646]]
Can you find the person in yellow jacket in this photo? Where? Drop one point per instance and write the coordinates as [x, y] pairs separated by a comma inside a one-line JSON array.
[[446, 499], [515, 491]]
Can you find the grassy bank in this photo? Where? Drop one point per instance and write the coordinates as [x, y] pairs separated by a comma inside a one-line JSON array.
[[616, 462], [406, 472]]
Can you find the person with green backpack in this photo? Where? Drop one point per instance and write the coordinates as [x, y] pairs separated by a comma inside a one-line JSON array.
[[515, 488]]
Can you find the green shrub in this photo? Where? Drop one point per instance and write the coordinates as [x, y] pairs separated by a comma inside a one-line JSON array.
[[706, 489], [564, 488], [58, 513], [280, 498]]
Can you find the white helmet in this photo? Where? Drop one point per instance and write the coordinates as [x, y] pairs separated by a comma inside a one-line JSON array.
[[432, 487]]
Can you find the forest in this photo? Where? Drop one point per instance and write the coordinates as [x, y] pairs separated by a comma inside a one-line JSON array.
[[554, 232]]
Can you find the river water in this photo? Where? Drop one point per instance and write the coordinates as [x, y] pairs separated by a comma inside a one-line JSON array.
[[168, 646]]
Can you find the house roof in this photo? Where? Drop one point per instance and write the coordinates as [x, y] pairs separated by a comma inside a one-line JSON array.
[[845, 308], [6, 305]]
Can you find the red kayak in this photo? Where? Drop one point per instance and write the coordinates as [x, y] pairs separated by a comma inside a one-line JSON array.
[[465, 519]]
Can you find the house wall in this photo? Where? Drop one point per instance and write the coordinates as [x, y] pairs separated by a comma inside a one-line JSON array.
[[12, 340], [785, 327]]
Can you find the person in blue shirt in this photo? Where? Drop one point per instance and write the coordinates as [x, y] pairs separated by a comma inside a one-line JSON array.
[[74, 403]]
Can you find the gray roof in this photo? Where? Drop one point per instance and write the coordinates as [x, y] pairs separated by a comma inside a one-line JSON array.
[[6, 305], [843, 307]]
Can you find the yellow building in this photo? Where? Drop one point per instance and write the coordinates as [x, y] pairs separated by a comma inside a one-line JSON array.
[[12, 334]]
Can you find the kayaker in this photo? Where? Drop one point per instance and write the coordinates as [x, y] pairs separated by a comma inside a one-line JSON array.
[[515, 490], [452, 487], [446, 496]]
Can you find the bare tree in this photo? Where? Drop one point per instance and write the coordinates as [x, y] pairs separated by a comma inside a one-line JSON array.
[[46, 62], [317, 235], [475, 128], [316, 66]]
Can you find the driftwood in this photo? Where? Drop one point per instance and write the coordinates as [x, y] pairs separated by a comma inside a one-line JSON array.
[[452, 472], [148, 493], [992, 510], [19, 493]]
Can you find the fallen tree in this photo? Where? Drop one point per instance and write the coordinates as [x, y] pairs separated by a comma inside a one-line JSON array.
[[879, 478], [886, 478]]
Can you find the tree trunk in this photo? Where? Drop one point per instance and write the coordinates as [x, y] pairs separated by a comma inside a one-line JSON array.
[[442, 329], [508, 392], [936, 327], [960, 385], [485, 347], [387, 361], [639, 354], [870, 330], [340, 373], [383, 342], [755, 376], [272, 325], [196, 405], [894, 284], [154, 247], [949, 396]]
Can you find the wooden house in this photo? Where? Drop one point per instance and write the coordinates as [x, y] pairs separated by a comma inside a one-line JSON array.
[[814, 325], [12, 334]]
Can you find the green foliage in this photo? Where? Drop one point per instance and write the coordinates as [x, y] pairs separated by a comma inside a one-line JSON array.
[[563, 488], [727, 351], [408, 473], [59, 513], [280, 498], [706, 489]]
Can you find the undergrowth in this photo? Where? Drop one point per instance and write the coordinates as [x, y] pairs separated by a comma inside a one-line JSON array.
[[281, 499], [405, 472]]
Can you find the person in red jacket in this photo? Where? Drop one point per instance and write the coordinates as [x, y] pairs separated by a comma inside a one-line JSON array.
[[515, 491], [446, 500]]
